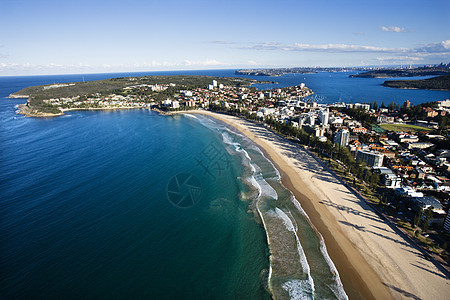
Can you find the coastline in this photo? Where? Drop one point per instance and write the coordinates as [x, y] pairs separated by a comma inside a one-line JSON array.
[[29, 112], [373, 261]]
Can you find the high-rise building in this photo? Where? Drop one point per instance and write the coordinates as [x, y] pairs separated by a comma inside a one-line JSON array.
[[341, 138], [323, 116], [371, 158]]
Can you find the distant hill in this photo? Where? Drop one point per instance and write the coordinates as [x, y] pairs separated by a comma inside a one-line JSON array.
[[387, 73], [435, 83], [282, 71]]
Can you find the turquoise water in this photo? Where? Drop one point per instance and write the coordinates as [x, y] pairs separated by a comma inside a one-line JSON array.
[[85, 212]]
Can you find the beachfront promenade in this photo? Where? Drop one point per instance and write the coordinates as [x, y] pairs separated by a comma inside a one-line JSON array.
[[373, 259]]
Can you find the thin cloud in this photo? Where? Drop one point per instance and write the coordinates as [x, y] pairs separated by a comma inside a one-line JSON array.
[[208, 62], [441, 48], [392, 29], [399, 59], [219, 42], [336, 48], [54, 68]]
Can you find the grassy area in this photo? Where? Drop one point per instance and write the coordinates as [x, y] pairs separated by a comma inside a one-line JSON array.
[[403, 127], [377, 128]]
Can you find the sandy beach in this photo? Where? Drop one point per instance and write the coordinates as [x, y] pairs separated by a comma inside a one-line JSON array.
[[373, 260]]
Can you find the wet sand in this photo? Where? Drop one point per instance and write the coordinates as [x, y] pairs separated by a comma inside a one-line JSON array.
[[373, 260]]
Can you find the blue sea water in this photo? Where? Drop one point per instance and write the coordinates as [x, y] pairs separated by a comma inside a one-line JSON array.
[[131, 204], [86, 211]]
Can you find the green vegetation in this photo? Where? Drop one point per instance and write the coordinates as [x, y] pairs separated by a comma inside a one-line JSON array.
[[421, 71], [403, 127], [435, 83]]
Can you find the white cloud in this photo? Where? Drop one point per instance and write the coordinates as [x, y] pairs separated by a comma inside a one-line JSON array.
[[54, 68], [393, 29], [441, 48], [321, 47], [208, 62], [219, 42], [399, 59], [252, 63]]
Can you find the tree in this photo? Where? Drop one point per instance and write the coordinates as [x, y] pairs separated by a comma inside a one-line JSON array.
[[375, 105], [428, 215], [417, 218]]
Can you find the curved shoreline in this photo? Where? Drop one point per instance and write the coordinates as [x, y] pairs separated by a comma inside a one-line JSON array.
[[373, 261], [355, 286], [29, 112]]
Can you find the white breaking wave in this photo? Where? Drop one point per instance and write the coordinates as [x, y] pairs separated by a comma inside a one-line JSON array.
[[191, 116], [298, 289], [266, 189], [271, 163], [303, 261], [338, 288]]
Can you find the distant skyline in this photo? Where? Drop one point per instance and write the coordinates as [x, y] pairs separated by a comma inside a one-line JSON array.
[[95, 36]]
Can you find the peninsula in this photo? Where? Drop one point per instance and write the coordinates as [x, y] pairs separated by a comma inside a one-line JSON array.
[[119, 93], [282, 71], [436, 70], [440, 83]]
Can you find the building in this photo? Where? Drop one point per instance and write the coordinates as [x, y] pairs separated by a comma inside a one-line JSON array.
[[323, 116], [430, 112], [408, 192], [358, 105], [447, 222], [385, 119], [445, 103], [167, 102], [407, 104], [190, 103], [371, 158], [423, 203], [341, 138], [359, 130], [319, 131], [420, 145], [388, 178], [407, 138]]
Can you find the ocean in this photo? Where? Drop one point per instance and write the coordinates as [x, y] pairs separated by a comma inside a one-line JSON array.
[[132, 204]]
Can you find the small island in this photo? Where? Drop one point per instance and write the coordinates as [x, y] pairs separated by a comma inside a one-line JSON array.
[[440, 83]]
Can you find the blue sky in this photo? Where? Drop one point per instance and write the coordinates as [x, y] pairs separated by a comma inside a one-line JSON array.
[[55, 37]]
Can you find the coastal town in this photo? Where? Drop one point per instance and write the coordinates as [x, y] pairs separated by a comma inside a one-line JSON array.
[[396, 156]]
